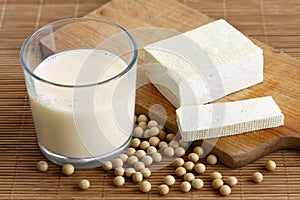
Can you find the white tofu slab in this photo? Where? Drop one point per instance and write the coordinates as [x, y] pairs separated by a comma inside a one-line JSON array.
[[203, 64], [228, 118]]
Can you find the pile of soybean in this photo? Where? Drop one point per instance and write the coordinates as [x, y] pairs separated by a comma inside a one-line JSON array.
[[151, 144]]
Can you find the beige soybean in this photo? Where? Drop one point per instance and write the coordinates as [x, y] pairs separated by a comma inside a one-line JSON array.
[[152, 123], [140, 153], [184, 143], [138, 132], [117, 162], [142, 118], [157, 157], [137, 177], [129, 172], [143, 125], [151, 150], [162, 145], [199, 150], [163, 189], [132, 159], [231, 181], [135, 142], [169, 180], [185, 186], [189, 177], [147, 160], [153, 141], [130, 151], [135, 118], [270, 165], [257, 177], [154, 131], [144, 145], [215, 175], [217, 183], [189, 165], [169, 151], [84, 184], [200, 168], [145, 186], [123, 157], [119, 181], [225, 190], [169, 137], [119, 171], [174, 144], [212, 159], [107, 166], [146, 172], [180, 171], [162, 135], [68, 169], [197, 184], [42, 166], [139, 166], [147, 134], [178, 162], [193, 157]]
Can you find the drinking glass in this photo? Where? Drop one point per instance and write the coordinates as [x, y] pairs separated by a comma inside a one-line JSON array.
[[80, 76]]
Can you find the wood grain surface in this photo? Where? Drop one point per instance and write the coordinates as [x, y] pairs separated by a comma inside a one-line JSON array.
[[234, 151], [275, 22]]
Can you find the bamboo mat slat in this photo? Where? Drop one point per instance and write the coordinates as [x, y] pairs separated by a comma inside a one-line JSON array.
[[275, 22]]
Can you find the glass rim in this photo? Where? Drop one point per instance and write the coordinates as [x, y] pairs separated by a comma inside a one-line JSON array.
[[129, 66]]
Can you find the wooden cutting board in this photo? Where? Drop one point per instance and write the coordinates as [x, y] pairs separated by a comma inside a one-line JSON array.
[[281, 78]]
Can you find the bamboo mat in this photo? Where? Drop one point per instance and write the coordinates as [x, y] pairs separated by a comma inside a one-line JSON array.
[[276, 22]]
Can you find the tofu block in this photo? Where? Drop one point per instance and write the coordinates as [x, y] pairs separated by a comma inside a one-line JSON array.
[[204, 64], [228, 118]]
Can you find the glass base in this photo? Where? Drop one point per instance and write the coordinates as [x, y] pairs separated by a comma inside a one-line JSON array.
[[84, 162]]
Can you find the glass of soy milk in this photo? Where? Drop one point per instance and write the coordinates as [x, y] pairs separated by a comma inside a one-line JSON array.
[[80, 76]]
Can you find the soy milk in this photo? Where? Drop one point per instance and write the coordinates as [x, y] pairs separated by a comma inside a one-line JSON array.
[[83, 121]]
